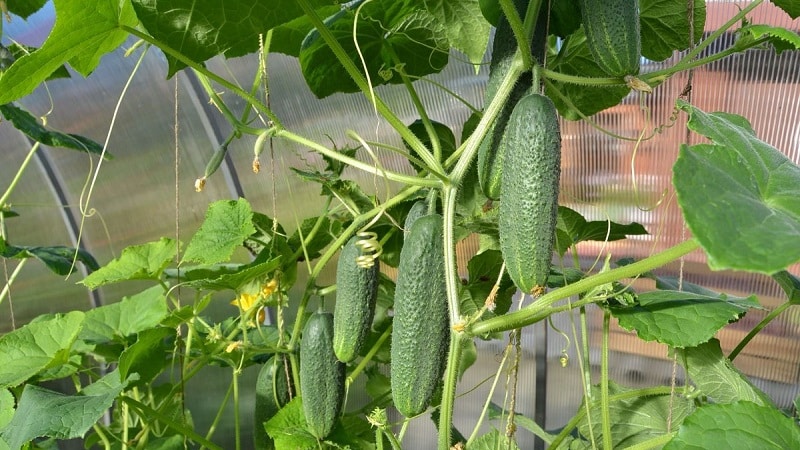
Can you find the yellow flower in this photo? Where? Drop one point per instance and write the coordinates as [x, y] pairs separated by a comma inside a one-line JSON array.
[[245, 301], [269, 288], [233, 346]]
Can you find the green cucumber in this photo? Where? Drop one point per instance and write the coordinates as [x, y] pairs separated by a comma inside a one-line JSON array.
[[272, 392], [356, 293], [531, 171], [490, 152], [420, 333], [321, 375], [612, 34], [418, 209]]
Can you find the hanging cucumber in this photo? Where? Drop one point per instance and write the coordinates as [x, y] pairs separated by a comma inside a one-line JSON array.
[[612, 34], [356, 293], [321, 375], [490, 153], [272, 392], [531, 171], [420, 334]]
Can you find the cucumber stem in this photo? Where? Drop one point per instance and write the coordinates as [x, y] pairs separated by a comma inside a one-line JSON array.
[[539, 309]]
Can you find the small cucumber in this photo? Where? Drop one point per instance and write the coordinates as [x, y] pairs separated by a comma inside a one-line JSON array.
[[531, 171], [356, 293], [272, 392], [418, 209], [613, 35], [420, 334], [321, 375]]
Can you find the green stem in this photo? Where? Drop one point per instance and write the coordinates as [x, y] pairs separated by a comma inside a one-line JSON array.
[[18, 176], [307, 238], [720, 31], [469, 149], [489, 396], [360, 81], [449, 391], [583, 81], [213, 427], [586, 372], [368, 357], [223, 108], [605, 411], [532, 313], [236, 419], [11, 279], [523, 44], [200, 69], [764, 322], [394, 176]]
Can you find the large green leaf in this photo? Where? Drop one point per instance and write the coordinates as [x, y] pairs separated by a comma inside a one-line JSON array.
[[680, 319], [138, 262], [7, 404], [42, 412], [36, 346], [781, 39], [790, 285], [288, 427], [464, 25], [58, 259], [287, 38], [130, 316], [738, 425], [19, 50], [80, 36], [391, 34], [572, 100], [715, 376], [740, 196], [636, 419], [204, 29], [149, 355], [227, 224], [665, 26], [218, 278]]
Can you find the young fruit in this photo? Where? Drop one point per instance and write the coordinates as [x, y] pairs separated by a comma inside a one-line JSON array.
[[356, 293], [418, 209], [321, 375], [612, 34], [420, 334], [272, 392], [531, 170]]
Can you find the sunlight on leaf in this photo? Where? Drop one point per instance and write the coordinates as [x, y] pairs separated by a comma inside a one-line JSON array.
[[137, 262]]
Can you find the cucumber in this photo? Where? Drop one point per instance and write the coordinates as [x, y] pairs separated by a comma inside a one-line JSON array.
[[612, 34], [272, 392], [531, 171], [420, 333], [321, 375], [356, 293], [418, 209], [490, 152]]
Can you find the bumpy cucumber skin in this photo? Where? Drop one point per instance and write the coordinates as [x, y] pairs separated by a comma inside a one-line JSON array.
[[420, 334], [356, 293], [613, 34], [531, 171], [418, 209], [272, 392], [321, 375]]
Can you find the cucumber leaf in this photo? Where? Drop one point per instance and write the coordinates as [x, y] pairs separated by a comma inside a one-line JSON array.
[[464, 25], [790, 285], [287, 38], [792, 7], [740, 196], [391, 35], [665, 26], [781, 39], [18, 50], [26, 123], [288, 427], [58, 259], [25, 8], [42, 412], [80, 36], [493, 440], [736, 425], [227, 224], [715, 376], [680, 319], [36, 346], [202, 30], [573, 228], [7, 403], [137, 262], [128, 317]]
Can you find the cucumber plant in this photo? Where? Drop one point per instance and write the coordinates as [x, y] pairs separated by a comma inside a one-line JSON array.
[[407, 313]]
